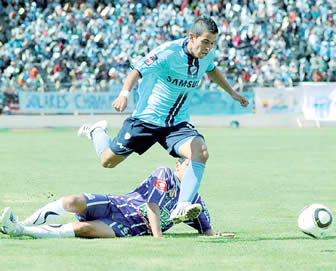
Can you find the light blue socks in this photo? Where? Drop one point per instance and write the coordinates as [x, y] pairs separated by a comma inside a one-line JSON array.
[[101, 140], [191, 181]]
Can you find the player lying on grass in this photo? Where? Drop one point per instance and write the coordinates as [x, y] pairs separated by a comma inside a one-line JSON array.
[[145, 211]]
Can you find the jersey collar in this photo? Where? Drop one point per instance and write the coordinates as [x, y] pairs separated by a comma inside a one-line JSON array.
[[185, 47]]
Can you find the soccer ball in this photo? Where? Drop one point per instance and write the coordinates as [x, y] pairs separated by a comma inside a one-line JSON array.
[[316, 220]]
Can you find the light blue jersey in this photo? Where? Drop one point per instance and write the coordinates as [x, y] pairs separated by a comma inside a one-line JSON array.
[[169, 73]]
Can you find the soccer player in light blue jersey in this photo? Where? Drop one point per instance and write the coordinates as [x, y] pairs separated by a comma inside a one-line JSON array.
[[167, 76], [144, 211]]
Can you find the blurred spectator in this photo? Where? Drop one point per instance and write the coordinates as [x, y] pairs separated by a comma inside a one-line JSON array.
[[89, 45], [10, 101]]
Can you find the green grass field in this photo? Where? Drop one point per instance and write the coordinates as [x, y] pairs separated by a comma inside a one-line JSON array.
[[255, 184]]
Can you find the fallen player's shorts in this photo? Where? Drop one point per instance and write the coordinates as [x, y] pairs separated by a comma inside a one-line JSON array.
[[99, 207], [138, 136]]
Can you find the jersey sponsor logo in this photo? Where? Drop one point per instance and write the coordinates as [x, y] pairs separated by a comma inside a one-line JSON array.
[[150, 60], [161, 185], [182, 83]]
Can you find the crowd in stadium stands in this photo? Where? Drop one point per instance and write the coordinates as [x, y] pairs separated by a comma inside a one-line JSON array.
[[89, 45]]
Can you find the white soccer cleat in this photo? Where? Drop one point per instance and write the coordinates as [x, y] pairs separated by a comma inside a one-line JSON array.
[[185, 211], [8, 223], [86, 129]]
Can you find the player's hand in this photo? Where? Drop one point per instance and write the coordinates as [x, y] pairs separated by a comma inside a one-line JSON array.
[[243, 101], [225, 235], [120, 103]]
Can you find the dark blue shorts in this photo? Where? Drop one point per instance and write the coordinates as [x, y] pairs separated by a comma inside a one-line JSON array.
[[138, 136], [99, 207]]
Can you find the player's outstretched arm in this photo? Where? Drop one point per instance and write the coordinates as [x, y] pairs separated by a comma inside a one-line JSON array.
[[217, 76], [211, 232], [120, 103], [153, 213]]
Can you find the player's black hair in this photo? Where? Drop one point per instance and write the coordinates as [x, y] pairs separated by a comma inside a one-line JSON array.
[[204, 24]]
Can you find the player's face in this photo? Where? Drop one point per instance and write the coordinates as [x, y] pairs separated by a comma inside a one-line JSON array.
[[200, 46]]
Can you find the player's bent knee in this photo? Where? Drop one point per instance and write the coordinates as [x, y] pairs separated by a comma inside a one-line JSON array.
[[204, 156], [197, 150], [201, 155], [108, 164], [109, 160], [106, 157], [205, 153], [74, 203], [84, 229], [93, 229]]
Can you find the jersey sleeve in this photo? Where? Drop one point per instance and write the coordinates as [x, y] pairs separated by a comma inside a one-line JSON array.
[[159, 183], [202, 223], [153, 62]]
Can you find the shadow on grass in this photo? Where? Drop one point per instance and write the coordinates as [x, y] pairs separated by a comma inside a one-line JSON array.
[[7, 237], [202, 238], [258, 239], [182, 235], [210, 239]]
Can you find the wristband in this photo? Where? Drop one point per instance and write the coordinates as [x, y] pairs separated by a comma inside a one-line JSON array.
[[124, 93]]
